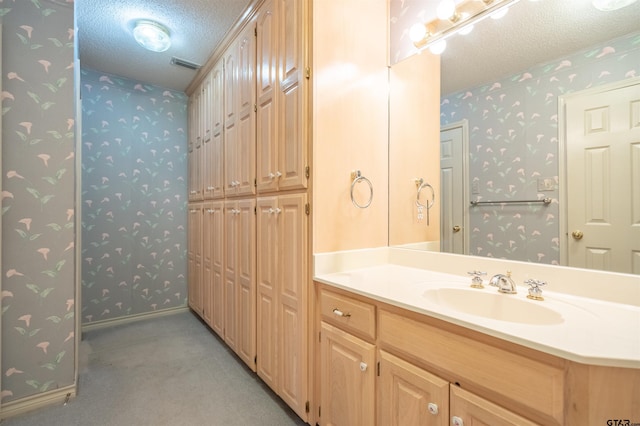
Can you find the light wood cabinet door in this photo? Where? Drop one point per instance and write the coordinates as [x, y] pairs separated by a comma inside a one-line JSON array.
[[267, 286], [469, 409], [292, 316], [215, 161], [246, 282], [207, 262], [205, 109], [230, 137], [212, 161], [408, 395], [204, 132], [347, 378], [282, 274], [267, 94], [231, 261], [282, 139], [240, 119], [246, 121], [194, 158], [293, 103], [239, 279], [216, 235], [194, 257]]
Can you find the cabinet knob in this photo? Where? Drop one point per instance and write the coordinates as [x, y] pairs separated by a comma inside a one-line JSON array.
[[457, 421], [433, 408], [363, 366]]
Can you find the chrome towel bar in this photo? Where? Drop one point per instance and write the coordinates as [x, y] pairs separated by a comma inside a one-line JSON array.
[[545, 201]]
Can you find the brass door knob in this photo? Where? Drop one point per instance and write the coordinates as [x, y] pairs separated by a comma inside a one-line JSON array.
[[577, 235], [456, 228]]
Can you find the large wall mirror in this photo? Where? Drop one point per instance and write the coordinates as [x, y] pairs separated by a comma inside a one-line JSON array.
[[500, 90]]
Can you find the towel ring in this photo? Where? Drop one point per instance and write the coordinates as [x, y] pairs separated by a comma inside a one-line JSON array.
[[357, 177], [422, 186]]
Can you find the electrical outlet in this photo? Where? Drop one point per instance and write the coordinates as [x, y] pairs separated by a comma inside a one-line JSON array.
[[546, 184]]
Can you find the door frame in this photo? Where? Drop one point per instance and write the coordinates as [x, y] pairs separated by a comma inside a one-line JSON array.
[[464, 125], [563, 208]]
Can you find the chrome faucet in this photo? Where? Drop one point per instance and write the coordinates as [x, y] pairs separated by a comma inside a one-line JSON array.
[[504, 283]]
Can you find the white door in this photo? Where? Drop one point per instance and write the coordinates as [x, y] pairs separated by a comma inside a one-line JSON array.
[[454, 200], [603, 178]]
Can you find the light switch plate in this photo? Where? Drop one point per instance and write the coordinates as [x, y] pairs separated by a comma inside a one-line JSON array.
[[546, 184]]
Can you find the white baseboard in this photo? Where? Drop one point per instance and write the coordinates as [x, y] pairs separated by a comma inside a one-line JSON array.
[[30, 403], [132, 318]]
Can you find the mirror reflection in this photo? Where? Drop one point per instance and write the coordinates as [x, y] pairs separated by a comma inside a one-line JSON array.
[[503, 135]]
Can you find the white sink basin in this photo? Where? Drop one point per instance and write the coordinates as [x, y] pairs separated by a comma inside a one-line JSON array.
[[496, 306]]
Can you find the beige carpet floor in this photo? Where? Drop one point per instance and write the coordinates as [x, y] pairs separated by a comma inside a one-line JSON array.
[[166, 371]]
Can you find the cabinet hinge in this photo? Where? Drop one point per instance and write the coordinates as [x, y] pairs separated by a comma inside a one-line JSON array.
[[255, 107], [255, 360], [319, 336], [255, 182], [255, 32], [378, 368], [308, 73], [306, 172], [307, 209], [255, 210], [306, 407], [320, 412]]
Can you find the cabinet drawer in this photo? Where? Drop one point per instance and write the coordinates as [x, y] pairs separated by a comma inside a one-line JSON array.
[[349, 314], [531, 387]]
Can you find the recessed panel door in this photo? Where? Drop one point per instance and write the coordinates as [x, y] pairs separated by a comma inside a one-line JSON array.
[[603, 178]]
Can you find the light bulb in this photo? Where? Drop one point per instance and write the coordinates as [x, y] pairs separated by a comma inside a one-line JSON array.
[[438, 47], [446, 9], [417, 32]]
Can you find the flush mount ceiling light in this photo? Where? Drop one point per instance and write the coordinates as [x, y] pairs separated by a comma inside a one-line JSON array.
[[151, 35]]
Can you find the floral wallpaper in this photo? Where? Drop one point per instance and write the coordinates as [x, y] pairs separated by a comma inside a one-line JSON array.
[[38, 265], [134, 195], [513, 142]]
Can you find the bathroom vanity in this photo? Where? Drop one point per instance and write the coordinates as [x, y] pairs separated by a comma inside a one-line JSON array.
[[403, 345]]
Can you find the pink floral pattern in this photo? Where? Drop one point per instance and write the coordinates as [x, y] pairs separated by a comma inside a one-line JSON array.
[[38, 228], [134, 190]]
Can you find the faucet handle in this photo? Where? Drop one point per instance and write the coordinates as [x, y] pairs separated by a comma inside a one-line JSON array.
[[535, 292], [476, 281]]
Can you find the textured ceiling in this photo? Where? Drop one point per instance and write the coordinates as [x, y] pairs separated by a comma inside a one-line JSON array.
[[197, 27], [532, 32]]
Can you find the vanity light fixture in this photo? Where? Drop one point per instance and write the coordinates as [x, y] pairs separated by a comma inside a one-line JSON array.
[[447, 10], [456, 16], [151, 35], [609, 5]]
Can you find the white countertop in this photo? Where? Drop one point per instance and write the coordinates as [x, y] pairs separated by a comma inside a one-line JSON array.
[[591, 331]]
